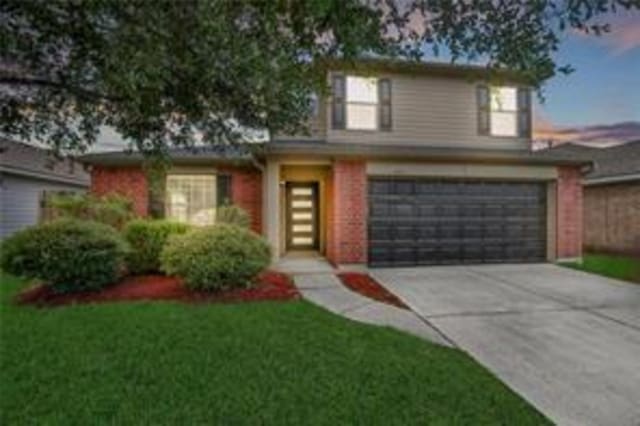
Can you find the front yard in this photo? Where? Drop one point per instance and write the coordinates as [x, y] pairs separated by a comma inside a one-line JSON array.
[[625, 268], [251, 363]]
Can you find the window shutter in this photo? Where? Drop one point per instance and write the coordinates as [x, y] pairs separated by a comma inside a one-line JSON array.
[[524, 112], [338, 102], [223, 183], [384, 98], [484, 110], [45, 210]]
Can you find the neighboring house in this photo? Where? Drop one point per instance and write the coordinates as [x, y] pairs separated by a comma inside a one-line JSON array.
[[406, 164], [28, 175], [611, 196]]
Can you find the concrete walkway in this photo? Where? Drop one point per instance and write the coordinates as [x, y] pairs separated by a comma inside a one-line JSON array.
[[326, 290], [567, 341]]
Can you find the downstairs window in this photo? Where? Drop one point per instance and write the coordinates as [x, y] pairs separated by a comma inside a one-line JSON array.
[[192, 198]]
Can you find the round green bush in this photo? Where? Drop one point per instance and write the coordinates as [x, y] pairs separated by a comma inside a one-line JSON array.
[[147, 238], [216, 257], [67, 255]]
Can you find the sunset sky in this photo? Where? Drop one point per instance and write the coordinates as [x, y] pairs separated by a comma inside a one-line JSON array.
[[600, 101]]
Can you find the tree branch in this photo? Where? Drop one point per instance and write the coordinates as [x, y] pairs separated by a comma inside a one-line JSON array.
[[42, 82]]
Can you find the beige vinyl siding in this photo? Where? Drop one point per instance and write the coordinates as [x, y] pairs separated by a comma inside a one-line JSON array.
[[428, 111]]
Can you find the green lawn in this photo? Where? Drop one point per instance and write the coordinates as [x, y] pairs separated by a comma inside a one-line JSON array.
[[620, 267], [260, 363]]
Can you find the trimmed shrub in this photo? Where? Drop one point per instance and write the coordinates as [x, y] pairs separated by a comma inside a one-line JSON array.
[[147, 238], [233, 215], [216, 257], [67, 255], [111, 209]]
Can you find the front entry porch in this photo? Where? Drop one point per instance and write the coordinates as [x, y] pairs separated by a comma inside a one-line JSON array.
[[304, 262], [316, 205], [302, 210]]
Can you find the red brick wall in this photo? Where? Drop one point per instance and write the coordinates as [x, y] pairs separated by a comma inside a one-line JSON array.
[[128, 181], [569, 213], [246, 188], [348, 242], [246, 193]]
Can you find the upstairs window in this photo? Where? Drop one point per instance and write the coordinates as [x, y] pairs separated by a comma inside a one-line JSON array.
[[504, 111], [361, 103]]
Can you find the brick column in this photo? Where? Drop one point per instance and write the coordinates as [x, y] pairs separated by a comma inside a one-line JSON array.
[[347, 236], [246, 193], [569, 213]]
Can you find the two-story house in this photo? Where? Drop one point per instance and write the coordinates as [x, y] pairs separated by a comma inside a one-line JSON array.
[[406, 164]]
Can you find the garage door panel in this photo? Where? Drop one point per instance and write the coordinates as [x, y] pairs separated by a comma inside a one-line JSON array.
[[404, 209], [425, 222]]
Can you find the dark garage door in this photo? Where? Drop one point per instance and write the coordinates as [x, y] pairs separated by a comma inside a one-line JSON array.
[[430, 222]]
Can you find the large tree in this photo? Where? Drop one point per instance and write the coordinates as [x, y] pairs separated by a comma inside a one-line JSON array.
[[163, 73]]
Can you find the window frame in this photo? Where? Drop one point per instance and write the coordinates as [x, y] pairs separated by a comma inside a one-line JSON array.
[[347, 103], [191, 174], [515, 112]]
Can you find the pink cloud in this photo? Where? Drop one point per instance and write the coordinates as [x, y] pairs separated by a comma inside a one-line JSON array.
[[624, 34], [597, 135]]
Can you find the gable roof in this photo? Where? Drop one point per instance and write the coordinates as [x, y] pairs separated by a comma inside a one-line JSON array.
[[208, 154], [22, 159], [613, 164], [248, 153]]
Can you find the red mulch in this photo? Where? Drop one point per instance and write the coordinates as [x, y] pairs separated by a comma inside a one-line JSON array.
[[368, 287], [269, 286]]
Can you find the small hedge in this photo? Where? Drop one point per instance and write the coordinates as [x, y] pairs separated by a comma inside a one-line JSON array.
[[147, 239], [216, 257], [67, 255], [233, 215], [111, 209]]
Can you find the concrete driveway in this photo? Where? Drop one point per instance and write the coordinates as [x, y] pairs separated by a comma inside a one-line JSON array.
[[567, 341]]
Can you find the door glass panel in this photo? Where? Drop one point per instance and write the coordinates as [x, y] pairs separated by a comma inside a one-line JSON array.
[[301, 216], [302, 240], [301, 191], [298, 204], [302, 228]]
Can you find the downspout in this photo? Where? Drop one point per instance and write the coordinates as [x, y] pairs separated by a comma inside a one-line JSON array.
[[257, 164], [253, 157]]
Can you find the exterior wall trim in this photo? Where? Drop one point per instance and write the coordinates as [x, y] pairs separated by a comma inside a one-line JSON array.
[[461, 170], [45, 177], [552, 232], [612, 179]]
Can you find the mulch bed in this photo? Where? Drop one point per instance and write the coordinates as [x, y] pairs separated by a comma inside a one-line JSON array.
[[269, 286], [368, 287]]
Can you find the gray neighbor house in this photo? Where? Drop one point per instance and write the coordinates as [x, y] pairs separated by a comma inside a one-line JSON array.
[[29, 174], [611, 203]]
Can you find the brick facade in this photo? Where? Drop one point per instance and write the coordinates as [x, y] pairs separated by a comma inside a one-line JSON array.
[[569, 213], [347, 242], [128, 181], [246, 193], [612, 218], [246, 188]]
